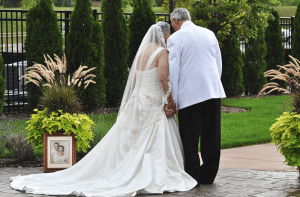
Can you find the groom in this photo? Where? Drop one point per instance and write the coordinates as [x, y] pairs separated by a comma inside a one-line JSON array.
[[195, 66]]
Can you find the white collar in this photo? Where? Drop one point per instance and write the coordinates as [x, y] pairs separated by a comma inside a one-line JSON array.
[[186, 23]]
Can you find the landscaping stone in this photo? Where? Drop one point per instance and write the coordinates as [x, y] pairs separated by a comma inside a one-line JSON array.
[[229, 182]]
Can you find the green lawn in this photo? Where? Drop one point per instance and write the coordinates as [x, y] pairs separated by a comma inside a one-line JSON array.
[[252, 127], [238, 129], [286, 11]]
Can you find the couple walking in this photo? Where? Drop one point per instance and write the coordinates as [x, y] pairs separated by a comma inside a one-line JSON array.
[[146, 151]]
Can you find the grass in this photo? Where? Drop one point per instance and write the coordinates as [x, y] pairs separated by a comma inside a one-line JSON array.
[[252, 127], [238, 129], [286, 11]]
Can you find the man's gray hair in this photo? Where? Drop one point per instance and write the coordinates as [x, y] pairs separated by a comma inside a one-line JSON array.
[[164, 26], [181, 14]]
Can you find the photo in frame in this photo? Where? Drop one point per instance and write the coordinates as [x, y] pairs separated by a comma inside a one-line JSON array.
[[59, 151]]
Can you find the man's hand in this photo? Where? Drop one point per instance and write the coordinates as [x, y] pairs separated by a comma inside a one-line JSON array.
[[169, 112]]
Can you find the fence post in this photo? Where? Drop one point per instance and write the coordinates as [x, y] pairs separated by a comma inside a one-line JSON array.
[[67, 27], [95, 14], [292, 26]]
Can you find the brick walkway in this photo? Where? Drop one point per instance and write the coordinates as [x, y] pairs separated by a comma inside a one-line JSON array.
[[246, 171], [229, 182]]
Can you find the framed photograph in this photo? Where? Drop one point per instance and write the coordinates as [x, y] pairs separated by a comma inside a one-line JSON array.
[[59, 151]]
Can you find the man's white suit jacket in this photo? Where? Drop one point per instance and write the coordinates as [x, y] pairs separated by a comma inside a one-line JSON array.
[[195, 65]]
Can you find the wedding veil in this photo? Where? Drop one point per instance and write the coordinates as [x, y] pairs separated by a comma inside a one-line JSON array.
[[153, 40]]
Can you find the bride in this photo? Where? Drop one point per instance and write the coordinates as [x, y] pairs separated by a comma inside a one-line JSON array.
[[142, 153]]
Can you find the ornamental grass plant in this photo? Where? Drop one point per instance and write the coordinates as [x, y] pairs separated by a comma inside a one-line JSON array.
[[60, 102], [285, 132], [58, 91]]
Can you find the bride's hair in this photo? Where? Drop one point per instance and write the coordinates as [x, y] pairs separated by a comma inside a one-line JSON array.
[[164, 26]]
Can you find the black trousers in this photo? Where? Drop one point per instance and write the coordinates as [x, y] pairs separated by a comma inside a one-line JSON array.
[[202, 119]]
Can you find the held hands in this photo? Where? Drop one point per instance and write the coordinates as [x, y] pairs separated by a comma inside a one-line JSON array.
[[170, 109]]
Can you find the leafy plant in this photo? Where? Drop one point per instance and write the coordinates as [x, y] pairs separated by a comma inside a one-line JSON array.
[[285, 134], [116, 33], [43, 37], [60, 122], [6, 127], [26, 4], [218, 16], [59, 93], [19, 147]]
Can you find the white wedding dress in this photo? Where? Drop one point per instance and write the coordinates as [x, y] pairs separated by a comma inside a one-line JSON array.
[[129, 160]]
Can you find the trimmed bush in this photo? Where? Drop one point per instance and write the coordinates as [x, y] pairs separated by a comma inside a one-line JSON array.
[[2, 84], [255, 64], [232, 63], [296, 35], [275, 49], [140, 21], [116, 35], [43, 37], [85, 46]]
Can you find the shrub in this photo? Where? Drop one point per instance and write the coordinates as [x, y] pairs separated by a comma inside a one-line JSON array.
[[59, 93], [6, 127], [232, 63], [159, 3], [20, 148], [27, 4], [2, 84], [116, 34], [140, 21], [43, 37], [59, 122], [63, 3], [285, 135], [275, 49], [296, 34], [85, 46], [255, 64]]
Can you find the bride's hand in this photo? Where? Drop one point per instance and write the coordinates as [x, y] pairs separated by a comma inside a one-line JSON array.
[[169, 112]]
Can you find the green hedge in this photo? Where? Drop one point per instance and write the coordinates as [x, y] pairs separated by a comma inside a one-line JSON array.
[[255, 64], [85, 46], [232, 63], [140, 21], [43, 37], [275, 49], [116, 35]]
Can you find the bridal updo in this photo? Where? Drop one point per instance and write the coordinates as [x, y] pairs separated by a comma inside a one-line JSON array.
[[164, 26]]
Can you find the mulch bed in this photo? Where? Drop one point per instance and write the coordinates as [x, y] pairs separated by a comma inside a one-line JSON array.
[[28, 164]]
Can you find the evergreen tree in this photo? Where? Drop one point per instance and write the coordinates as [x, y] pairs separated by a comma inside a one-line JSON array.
[[296, 35], [2, 84], [116, 35], [43, 37], [255, 64], [140, 21], [232, 63], [85, 47], [275, 49]]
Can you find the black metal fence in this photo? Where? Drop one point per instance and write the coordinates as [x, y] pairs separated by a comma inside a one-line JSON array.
[[12, 37]]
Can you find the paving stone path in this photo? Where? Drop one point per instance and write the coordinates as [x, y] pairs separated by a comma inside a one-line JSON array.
[[229, 182]]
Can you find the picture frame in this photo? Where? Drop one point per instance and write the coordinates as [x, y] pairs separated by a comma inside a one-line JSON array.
[[59, 151]]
